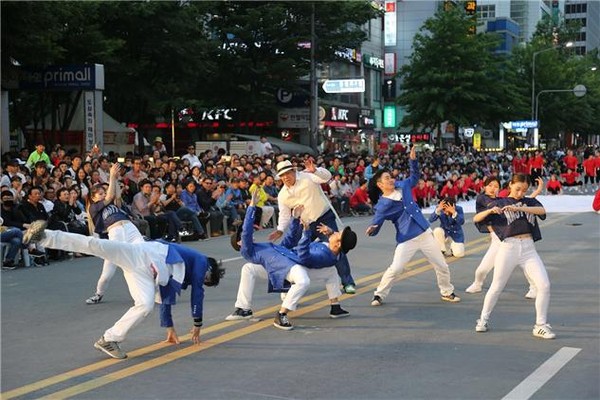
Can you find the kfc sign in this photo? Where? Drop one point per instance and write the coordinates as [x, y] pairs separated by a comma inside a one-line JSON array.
[[339, 114]]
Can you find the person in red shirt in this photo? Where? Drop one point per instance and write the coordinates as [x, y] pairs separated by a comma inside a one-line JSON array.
[[570, 161], [589, 169], [359, 201], [449, 190], [419, 193], [596, 203], [537, 166], [477, 186], [570, 178], [517, 163], [597, 158], [553, 186]]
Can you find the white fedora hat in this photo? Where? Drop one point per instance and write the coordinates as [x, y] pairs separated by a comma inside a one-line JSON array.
[[283, 167]]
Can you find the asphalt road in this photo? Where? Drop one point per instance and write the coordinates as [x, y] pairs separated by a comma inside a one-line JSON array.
[[413, 347]]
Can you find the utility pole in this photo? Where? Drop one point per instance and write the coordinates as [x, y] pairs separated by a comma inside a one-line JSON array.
[[314, 88]]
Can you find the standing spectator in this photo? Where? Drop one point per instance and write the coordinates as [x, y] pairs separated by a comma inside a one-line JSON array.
[[570, 161], [37, 155], [537, 166], [589, 168], [359, 202], [265, 147], [207, 198], [372, 169], [159, 146], [104, 169], [192, 157]]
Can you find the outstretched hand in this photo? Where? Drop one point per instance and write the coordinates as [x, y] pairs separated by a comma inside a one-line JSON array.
[[413, 153], [255, 198], [114, 170], [309, 166], [324, 229]]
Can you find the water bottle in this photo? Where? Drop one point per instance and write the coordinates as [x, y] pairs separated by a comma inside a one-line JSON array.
[[26, 258]]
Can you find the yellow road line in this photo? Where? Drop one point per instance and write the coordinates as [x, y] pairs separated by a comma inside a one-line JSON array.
[[148, 349]]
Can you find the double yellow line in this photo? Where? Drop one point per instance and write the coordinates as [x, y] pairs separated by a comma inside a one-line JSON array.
[[367, 284]]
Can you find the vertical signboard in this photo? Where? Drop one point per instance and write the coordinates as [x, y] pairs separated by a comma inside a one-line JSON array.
[[389, 32], [477, 141], [389, 116], [390, 63], [89, 120]]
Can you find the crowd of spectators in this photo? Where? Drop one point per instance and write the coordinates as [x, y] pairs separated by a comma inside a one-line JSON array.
[[200, 195]]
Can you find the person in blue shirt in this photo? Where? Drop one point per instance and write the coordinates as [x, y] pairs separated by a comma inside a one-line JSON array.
[[154, 271], [394, 202], [291, 266], [452, 218]]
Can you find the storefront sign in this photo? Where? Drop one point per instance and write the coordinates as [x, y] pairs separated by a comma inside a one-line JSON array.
[[341, 117], [366, 121], [351, 55], [218, 114], [64, 77], [294, 118], [373, 61]]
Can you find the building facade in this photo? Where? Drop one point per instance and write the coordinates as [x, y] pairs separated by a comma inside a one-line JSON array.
[[587, 13]]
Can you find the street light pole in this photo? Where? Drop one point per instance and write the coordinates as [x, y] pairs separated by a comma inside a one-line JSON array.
[[533, 99], [314, 89]]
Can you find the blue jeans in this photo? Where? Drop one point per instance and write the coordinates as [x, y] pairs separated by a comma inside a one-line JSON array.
[[14, 237], [185, 214], [342, 266]]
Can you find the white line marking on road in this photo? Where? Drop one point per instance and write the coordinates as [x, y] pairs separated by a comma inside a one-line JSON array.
[[540, 376], [232, 259]]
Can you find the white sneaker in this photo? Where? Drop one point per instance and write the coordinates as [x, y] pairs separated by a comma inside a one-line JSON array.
[[543, 331], [474, 288], [531, 294], [482, 326]]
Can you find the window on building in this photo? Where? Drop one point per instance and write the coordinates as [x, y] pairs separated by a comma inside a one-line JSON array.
[[486, 11], [580, 50], [580, 37]]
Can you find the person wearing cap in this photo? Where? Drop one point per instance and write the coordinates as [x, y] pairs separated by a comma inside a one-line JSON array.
[[12, 170], [154, 271], [304, 188], [394, 202], [289, 266], [159, 146], [37, 155]]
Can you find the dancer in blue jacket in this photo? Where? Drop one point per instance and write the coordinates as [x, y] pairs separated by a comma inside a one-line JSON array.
[[394, 202], [452, 218], [146, 266], [289, 267]]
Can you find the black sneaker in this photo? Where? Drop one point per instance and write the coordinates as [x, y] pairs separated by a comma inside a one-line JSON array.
[[8, 265], [238, 314], [377, 301], [338, 312], [282, 322]]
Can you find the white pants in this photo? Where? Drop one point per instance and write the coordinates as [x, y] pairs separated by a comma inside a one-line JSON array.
[[267, 213], [404, 252], [134, 259], [513, 252], [127, 233], [300, 278], [458, 249], [487, 263]]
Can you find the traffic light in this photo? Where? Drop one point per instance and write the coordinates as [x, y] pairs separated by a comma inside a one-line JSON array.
[[389, 90]]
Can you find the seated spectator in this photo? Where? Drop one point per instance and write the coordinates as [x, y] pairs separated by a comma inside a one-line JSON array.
[[207, 198], [267, 211], [147, 205], [48, 199], [171, 201], [449, 190], [570, 179], [553, 186], [14, 238], [359, 201], [225, 203], [420, 194], [65, 212]]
